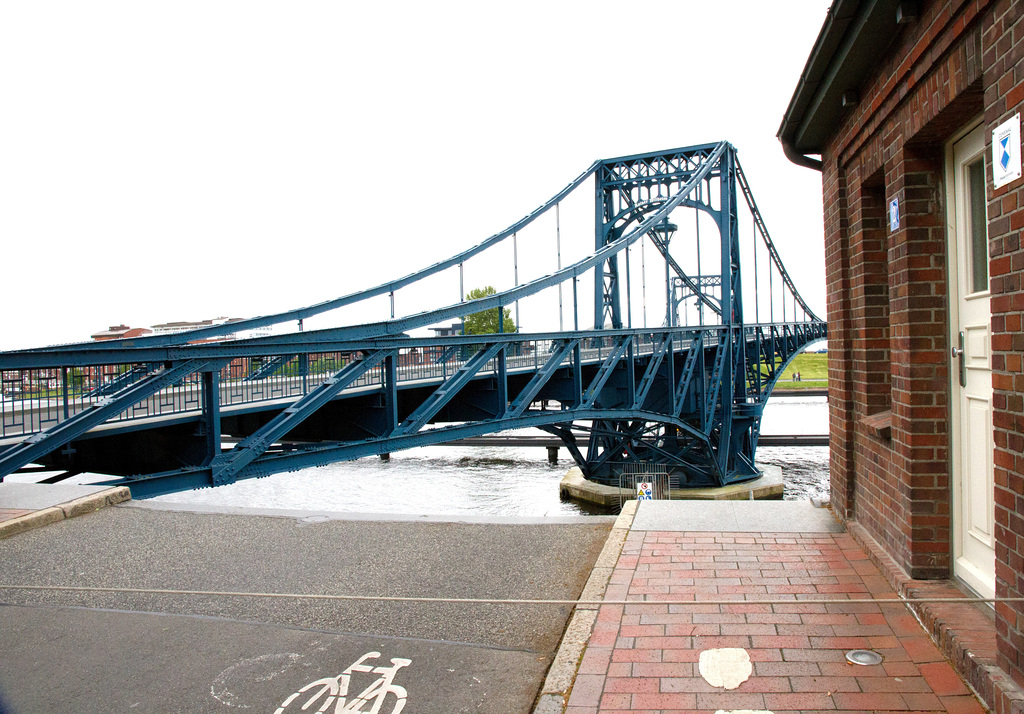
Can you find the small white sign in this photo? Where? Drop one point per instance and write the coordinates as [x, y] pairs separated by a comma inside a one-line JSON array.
[[894, 215], [645, 491], [1006, 152]]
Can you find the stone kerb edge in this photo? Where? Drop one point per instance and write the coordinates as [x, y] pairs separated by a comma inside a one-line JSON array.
[[53, 514], [554, 693]]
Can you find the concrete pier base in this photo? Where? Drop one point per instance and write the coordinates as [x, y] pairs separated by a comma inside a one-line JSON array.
[[767, 487]]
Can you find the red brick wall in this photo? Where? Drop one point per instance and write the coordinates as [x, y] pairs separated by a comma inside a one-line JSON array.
[[887, 294], [1003, 57]]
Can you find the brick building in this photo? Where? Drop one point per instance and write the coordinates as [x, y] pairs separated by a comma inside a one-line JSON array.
[[120, 332], [923, 220]]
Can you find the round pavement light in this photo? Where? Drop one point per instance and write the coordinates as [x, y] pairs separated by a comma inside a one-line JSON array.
[[864, 657]]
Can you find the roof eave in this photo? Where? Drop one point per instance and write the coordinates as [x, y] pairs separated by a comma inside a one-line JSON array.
[[855, 34]]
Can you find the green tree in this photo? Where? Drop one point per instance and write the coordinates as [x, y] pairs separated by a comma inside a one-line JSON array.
[[485, 322]]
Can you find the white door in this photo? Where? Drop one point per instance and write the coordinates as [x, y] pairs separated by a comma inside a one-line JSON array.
[[970, 365]]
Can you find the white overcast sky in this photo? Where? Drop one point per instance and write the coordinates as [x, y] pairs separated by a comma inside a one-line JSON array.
[[187, 160]]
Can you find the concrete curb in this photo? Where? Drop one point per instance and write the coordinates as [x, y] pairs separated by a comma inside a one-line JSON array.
[[77, 507], [554, 693]]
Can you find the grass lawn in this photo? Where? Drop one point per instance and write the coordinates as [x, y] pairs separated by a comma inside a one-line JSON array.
[[813, 369]]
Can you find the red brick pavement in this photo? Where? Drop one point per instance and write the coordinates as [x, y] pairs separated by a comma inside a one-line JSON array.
[[643, 657]]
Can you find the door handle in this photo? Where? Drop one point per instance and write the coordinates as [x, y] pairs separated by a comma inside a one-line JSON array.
[[958, 354]]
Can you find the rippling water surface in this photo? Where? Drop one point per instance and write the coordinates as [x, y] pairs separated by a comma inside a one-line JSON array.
[[491, 481]]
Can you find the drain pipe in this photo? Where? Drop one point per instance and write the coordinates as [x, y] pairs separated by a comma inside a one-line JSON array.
[[796, 157]]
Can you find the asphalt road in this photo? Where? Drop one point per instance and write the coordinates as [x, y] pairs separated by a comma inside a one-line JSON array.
[[132, 652]]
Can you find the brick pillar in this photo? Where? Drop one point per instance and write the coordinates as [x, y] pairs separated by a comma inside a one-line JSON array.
[[840, 399], [920, 364]]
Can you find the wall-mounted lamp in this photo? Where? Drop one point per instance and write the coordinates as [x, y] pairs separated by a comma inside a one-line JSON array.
[[906, 12]]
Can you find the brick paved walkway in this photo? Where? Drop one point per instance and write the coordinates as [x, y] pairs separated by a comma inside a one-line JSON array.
[[643, 658]]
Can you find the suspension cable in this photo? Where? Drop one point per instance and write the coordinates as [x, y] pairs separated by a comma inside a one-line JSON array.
[[643, 279], [696, 223], [558, 248], [515, 268], [629, 293], [757, 305]]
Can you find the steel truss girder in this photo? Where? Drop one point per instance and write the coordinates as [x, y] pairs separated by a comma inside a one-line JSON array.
[[691, 450], [715, 384], [539, 379], [650, 374], [145, 485], [225, 466], [448, 389], [604, 372], [689, 369], [44, 442]]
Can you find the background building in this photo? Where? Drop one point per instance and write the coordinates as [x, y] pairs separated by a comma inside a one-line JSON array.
[[120, 332]]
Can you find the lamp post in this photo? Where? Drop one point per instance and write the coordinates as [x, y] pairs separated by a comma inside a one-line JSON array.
[[662, 234]]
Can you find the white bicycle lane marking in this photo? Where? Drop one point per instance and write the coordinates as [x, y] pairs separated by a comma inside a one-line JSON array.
[[335, 690]]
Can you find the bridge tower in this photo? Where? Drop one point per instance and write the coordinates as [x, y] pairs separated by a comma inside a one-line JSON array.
[[629, 190]]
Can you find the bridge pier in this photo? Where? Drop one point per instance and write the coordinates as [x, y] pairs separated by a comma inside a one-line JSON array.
[[768, 486], [552, 454]]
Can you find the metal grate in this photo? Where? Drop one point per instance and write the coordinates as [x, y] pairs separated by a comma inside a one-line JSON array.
[[632, 474]]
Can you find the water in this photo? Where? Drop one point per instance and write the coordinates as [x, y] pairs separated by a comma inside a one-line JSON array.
[[491, 481]]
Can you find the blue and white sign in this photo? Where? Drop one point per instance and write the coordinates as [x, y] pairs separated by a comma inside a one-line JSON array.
[[894, 215], [1006, 152], [645, 491]]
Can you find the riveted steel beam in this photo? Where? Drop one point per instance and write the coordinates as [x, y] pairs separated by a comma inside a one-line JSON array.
[[226, 466], [615, 356], [444, 394], [661, 349], [540, 378]]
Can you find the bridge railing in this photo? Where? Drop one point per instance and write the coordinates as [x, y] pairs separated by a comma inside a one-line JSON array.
[[35, 399]]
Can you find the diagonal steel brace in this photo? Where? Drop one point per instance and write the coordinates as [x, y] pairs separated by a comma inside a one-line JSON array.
[[44, 442], [689, 369], [268, 368], [225, 466], [444, 394], [607, 367], [657, 357], [711, 400], [539, 379]]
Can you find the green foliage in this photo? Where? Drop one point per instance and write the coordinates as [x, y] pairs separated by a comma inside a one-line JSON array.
[[486, 321]]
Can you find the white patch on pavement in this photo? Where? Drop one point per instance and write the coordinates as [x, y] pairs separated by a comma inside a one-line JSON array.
[[728, 667], [226, 685]]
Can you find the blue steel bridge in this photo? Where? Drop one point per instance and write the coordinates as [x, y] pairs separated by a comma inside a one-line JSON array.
[[667, 363]]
